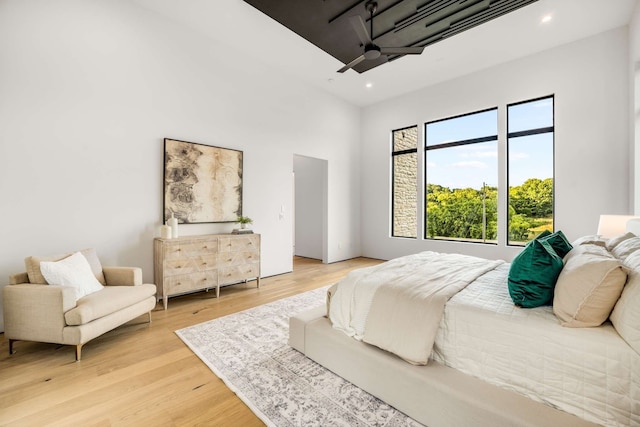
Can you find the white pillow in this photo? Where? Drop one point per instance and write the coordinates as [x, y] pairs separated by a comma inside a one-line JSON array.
[[73, 271], [32, 264], [626, 315], [615, 241], [590, 240], [625, 248], [588, 287]]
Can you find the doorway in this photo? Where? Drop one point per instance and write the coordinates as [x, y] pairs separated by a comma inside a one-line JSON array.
[[310, 176]]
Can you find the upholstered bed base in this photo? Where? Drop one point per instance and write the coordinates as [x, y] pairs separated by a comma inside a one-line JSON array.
[[434, 395]]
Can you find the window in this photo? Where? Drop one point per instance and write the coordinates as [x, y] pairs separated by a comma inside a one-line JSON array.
[[404, 154], [461, 176], [461, 168], [530, 134]]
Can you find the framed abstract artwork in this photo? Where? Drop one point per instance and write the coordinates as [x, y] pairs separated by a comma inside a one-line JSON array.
[[202, 183]]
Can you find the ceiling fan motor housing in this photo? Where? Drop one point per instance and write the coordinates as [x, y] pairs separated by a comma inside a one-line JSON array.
[[371, 52]]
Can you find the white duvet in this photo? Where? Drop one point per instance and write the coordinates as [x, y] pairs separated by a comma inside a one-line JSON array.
[[398, 305], [590, 372]]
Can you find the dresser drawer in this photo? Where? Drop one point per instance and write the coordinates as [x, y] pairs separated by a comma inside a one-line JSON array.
[[238, 273], [175, 266], [250, 243], [190, 249], [190, 282], [179, 266], [228, 259]]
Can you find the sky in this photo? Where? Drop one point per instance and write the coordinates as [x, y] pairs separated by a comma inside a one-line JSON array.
[[474, 164]]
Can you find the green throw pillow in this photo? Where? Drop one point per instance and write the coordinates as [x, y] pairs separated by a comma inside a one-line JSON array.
[[542, 235], [558, 242], [533, 274]]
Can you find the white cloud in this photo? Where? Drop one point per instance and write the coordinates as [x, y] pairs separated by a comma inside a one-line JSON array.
[[487, 154], [477, 151], [471, 164]]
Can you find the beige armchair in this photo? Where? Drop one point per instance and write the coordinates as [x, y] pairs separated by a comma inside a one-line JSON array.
[[34, 311]]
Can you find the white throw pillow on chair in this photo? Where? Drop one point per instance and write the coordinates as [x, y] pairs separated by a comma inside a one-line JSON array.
[[73, 271]]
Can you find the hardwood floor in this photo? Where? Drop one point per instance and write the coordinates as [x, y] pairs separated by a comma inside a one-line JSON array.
[[142, 374]]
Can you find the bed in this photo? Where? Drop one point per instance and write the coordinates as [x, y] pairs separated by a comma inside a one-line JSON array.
[[487, 362]]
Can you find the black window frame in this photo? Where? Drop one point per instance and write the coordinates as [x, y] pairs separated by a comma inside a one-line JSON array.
[[450, 144], [529, 132], [393, 176]]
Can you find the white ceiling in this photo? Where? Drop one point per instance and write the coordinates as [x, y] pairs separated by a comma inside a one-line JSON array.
[[512, 36]]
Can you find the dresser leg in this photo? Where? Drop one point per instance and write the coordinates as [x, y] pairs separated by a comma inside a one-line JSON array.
[[165, 302], [218, 291]]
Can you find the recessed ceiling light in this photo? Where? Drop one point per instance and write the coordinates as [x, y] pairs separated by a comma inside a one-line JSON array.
[[369, 85], [545, 19]]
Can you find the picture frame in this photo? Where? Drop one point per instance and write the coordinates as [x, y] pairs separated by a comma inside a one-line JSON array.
[[202, 183]]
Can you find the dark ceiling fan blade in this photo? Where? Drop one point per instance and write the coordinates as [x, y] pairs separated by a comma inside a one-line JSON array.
[[361, 30], [352, 64], [401, 50], [372, 51]]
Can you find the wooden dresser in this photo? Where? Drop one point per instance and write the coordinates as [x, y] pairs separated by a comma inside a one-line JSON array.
[[195, 263]]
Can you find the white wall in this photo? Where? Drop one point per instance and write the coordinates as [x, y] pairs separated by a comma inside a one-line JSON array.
[[310, 194], [589, 79], [634, 103], [89, 89]]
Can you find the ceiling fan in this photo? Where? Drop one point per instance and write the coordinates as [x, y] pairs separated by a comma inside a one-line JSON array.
[[371, 50]]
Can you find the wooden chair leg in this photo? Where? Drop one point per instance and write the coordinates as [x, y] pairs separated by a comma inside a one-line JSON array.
[[11, 346], [149, 313], [79, 352]]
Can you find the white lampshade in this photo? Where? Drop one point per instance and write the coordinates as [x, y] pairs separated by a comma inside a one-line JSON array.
[[613, 225]]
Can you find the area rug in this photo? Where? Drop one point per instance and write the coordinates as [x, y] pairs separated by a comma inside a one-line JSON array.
[[249, 352]]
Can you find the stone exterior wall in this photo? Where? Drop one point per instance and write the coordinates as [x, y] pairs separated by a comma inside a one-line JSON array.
[[405, 183]]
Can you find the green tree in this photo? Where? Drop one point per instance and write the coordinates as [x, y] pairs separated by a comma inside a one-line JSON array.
[[458, 213], [534, 198], [519, 226]]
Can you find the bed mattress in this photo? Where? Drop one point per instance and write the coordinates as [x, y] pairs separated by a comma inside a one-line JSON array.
[[589, 372]]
